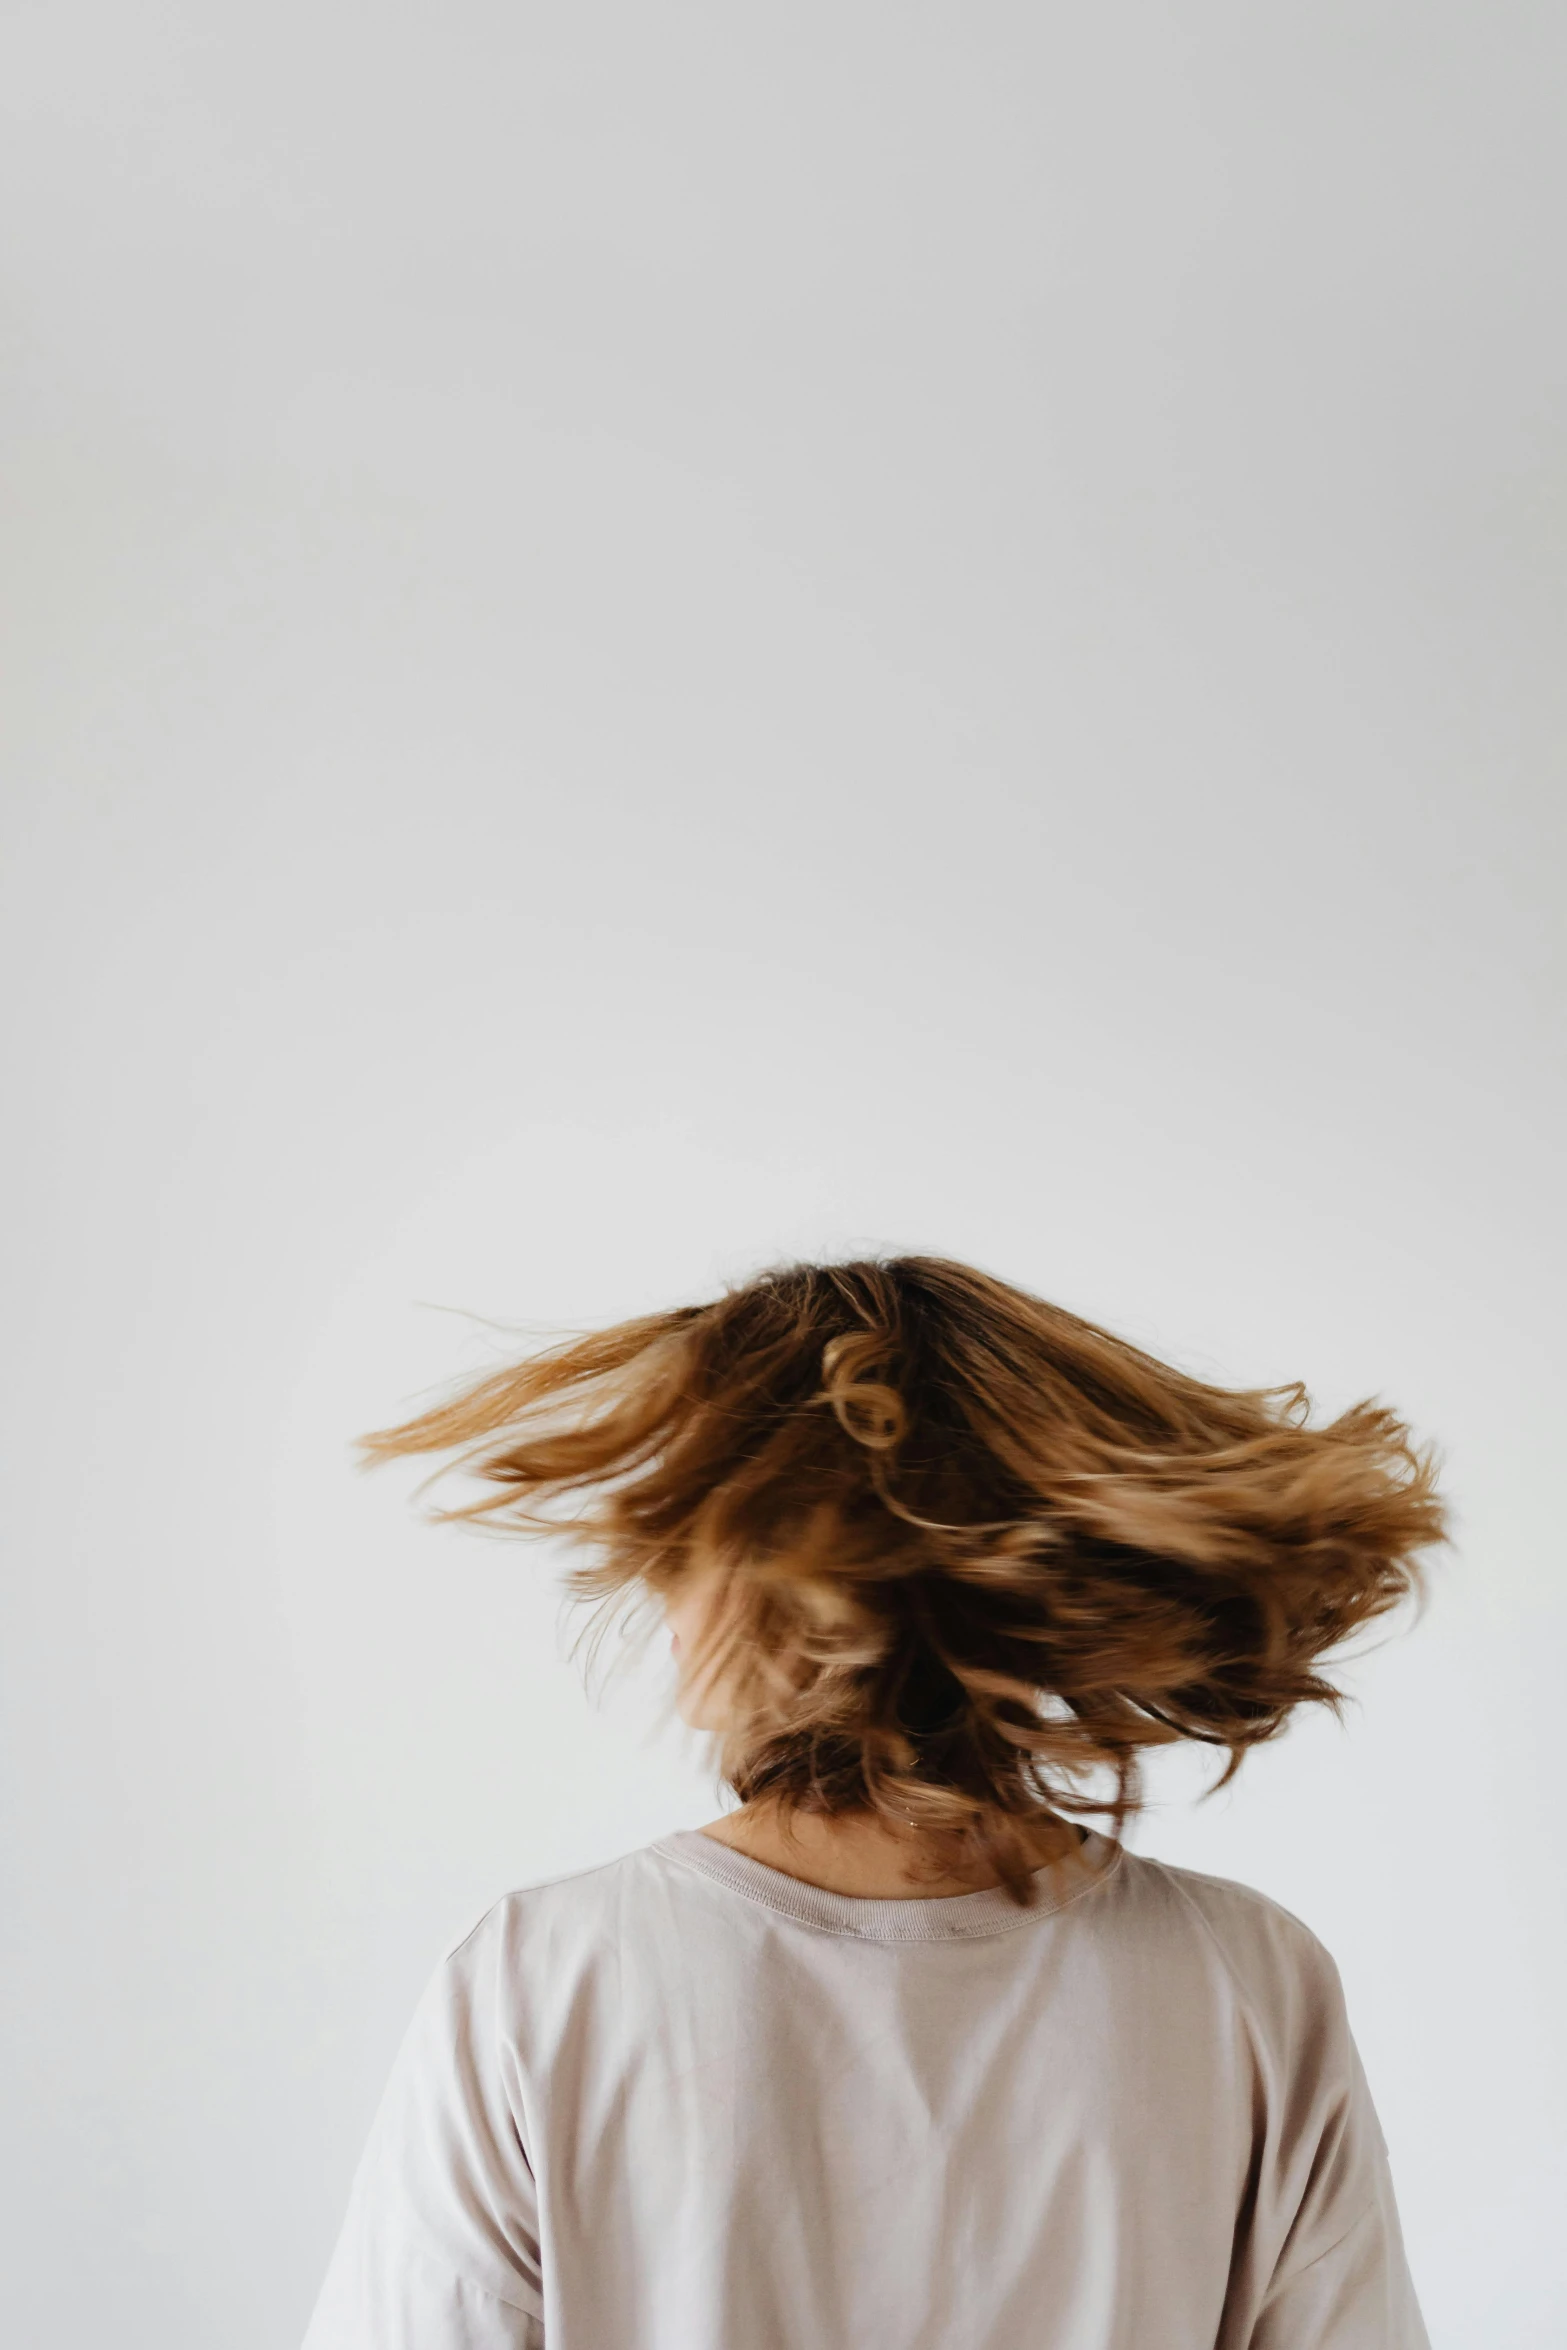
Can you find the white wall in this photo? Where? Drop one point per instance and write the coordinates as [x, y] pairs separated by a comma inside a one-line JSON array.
[[647, 637]]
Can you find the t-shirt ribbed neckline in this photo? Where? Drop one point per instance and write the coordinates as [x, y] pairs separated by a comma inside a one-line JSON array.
[[947, 1917]]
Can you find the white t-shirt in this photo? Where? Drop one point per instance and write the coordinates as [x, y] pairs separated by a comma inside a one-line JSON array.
[[684, 2102]]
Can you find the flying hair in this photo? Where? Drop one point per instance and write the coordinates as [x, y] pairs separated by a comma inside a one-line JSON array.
[[977, 1555]]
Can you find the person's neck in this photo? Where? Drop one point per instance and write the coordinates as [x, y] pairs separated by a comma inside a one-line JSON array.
[[858, 1858]]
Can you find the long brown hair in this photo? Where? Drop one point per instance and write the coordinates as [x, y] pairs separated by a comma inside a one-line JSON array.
[[978, 1554]]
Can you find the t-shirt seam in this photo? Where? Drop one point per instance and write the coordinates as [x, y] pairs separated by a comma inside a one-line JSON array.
[[1289, 2276], [1250, 1893], [435, 2260], [1243, 1995], [1033, 1915]]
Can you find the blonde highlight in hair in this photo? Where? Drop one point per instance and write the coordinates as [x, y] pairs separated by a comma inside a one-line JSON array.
[[977, 1554]]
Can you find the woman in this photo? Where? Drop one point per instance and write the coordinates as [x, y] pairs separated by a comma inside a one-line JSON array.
[[900, 2054]]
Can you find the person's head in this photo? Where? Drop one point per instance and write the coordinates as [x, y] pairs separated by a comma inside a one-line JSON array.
[[938, 1553]]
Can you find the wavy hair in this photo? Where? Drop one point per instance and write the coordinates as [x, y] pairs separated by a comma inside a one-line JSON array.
[[977, 1555]]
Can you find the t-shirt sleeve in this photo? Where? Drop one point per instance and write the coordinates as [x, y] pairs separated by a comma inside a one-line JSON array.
[[1355, 2294], [1341, 2281], [440, 2247]]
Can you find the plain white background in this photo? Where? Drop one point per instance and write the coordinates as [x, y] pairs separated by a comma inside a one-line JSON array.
[[642, 638]]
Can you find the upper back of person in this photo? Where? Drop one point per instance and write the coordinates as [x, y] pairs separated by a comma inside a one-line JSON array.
[[687, 2100]]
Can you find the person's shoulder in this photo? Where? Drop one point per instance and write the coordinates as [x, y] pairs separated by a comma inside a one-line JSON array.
[[1223, 1903], [585, 1898], [1277, 1965]]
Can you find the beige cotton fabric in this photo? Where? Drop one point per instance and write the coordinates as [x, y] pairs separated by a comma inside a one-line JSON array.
[[684, 2102]]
